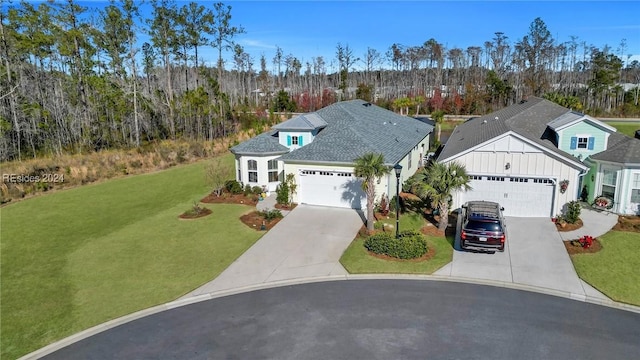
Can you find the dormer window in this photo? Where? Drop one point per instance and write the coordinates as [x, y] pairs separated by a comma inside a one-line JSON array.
[[582, 142], [294, 140]]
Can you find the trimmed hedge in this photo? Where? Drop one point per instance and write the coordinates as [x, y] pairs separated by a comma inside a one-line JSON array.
[[409, 245]]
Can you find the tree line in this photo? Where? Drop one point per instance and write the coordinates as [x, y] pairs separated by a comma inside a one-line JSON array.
[[75, 79]]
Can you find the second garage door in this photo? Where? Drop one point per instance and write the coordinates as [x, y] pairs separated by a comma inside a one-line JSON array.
[[520, 196], [331, 188]]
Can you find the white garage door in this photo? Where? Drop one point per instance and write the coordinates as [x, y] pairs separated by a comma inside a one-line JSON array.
[[331, 188], [523, 197]]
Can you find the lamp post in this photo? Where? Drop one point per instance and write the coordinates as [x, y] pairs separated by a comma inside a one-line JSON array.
[[398, 169]]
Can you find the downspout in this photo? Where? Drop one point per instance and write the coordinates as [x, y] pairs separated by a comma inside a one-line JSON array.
[[553, 197]]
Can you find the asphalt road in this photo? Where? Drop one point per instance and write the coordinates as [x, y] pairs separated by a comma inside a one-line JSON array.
[[374, 319]]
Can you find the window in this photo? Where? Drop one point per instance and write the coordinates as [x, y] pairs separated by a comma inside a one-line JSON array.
[[273, 170], [294, 140], [252, 166], [609, 179], [582, 142], [409, 166], [635, 189]]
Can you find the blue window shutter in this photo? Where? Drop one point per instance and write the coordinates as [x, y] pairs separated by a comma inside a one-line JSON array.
[[288, 140], [300, 140], [592, 141], [574, 143]]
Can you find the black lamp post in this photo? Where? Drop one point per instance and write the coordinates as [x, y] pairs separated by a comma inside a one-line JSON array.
[[398, 169]]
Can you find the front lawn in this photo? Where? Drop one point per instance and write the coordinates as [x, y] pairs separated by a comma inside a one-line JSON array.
[[615, 269], [77, 258], [357, 260], [627, 128]]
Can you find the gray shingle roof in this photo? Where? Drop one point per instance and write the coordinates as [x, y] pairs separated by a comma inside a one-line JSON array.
[[263, 144], [528, 119], [356, 127], [622, 149], [565, 119], [309, 121]]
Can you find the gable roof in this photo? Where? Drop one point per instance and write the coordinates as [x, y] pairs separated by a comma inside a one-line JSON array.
[[264, 144], [309, 121], [528, 119], [622, 150], [356, 127], [574, 117]]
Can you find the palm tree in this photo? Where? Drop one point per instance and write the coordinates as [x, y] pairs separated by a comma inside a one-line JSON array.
[[437, 182], [438, 117], [370, 167]]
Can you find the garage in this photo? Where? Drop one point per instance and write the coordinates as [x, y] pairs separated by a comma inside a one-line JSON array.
[[331, 188], [520, 196]]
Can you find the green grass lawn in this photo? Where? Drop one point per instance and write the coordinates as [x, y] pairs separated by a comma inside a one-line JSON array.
[[76, 258], [614, 270], [627, 128], [356, 259]]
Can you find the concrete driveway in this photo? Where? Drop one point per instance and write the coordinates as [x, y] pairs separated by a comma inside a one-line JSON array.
[[534, 255], [308, 242]]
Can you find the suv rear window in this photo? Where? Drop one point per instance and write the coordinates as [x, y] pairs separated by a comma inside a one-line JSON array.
[[483, 225]]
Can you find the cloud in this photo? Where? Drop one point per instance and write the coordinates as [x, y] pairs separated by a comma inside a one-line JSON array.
[[256, 44]]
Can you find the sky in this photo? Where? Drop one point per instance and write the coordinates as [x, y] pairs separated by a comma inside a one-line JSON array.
[[307, 29], [311, 28]]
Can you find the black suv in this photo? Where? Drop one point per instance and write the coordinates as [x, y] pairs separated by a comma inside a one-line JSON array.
[[483, 226]]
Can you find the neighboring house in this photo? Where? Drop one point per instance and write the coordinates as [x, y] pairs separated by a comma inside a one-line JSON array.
[[536, 156], [320, 148]]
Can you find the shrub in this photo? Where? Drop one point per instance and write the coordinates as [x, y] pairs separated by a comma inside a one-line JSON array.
[[409, 245], [256, 190], [195, 210], [247, 190], [572, 212], [282, 194], [233, 187], [270, 214]]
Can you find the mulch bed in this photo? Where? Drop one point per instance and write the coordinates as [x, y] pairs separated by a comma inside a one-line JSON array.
[[202, 213], [628, 223], [578, 249], [285, 207], [254, 220], [570, 227], [227, 198]]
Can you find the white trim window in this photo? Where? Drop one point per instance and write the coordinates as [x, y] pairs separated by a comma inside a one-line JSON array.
[[273, 170], [252, 167], [635, 188], [609, 180], [583, 142]]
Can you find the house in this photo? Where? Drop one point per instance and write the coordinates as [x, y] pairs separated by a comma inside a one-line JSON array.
[[535, 156], [320, 148]]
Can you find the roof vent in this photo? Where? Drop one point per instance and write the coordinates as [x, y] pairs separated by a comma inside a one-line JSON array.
[[367, 104], [496, 118], [484, 121]]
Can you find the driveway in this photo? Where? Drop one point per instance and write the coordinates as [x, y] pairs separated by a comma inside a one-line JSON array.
[[534, 255], [308, 242]]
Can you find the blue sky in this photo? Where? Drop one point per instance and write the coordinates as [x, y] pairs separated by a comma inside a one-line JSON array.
[[308, 29], [311, 28]]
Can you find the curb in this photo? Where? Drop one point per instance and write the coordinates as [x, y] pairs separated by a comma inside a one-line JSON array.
[[275, 284]]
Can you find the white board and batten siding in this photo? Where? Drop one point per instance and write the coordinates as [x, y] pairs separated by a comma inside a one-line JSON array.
[[521, 177]]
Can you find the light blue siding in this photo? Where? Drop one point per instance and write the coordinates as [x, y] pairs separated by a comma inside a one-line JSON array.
[[568, 139]]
